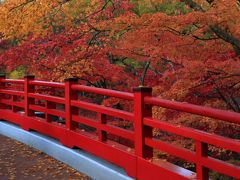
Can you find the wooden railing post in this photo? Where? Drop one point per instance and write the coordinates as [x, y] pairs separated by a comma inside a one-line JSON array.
[[2, 86], [28, 89], [70, 95], [201, 151], [142, 110], [27, 101]]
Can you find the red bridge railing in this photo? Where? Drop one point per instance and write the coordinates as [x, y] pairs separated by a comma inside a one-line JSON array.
[[18, 105]]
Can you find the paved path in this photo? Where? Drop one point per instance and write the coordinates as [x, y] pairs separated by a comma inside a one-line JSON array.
[[19, 161]]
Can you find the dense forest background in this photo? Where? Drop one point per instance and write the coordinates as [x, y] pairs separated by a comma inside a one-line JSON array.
[[187, 50]]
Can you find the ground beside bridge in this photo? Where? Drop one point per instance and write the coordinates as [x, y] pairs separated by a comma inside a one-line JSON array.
[[19, 161]]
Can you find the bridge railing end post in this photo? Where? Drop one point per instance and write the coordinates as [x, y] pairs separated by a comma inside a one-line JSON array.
[[27, 100], [142, 110], [69, 96]]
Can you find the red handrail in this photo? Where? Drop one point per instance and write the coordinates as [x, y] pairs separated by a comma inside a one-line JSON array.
[[195, 134], [105, 92], [13, 81], [195, 109], [48, 84], [136, 157]]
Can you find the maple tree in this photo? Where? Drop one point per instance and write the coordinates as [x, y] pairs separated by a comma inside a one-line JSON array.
[[196, 52], [41, 17], [81, 45], [187, 50]]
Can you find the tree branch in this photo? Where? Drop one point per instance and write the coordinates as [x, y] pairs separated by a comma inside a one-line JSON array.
[[142, 79], [230, 105], [222, 34], [21, 5]]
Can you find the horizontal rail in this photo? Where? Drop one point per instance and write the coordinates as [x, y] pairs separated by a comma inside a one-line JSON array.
[[171, 149], [37, 108], [14, 81], [104, 110], [12, 103], [105, 92], [228, 116], [221, 166], [56, 112], [85, 121], [198, 135], [118, 131], [55, 99], [12, 92], [53, 112], [110, 129], [48, 84]]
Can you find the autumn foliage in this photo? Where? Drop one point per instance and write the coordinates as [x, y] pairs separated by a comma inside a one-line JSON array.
[[187, 50]]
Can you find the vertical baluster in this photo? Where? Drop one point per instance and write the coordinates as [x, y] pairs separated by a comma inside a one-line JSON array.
[[142, 110], [201, 151], [49, 105], [102, 135], [14, 99]]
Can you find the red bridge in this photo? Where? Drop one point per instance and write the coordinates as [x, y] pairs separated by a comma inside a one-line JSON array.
[[18, 96]]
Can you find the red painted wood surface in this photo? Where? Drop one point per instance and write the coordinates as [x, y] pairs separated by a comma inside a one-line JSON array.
[[18, 107]]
